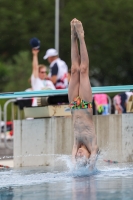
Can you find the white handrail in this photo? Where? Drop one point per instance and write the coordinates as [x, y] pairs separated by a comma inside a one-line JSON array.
[[5, 120]]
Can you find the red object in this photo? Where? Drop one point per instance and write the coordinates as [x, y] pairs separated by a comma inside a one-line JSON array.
[[3, 166], [60, 88], [9, 126]]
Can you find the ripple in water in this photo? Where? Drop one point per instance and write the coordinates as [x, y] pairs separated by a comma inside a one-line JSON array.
[[24, 177]]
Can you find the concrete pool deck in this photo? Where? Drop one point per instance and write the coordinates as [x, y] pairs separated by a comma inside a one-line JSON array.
[[8, 163]]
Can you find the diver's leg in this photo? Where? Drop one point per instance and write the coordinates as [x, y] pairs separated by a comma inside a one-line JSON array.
[[73, 90], [85, 91]]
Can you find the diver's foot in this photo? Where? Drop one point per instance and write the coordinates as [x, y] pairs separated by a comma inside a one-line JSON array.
[[79, 28], [73, 30]]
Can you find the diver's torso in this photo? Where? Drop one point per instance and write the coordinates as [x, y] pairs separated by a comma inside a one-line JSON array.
[[83, 126]]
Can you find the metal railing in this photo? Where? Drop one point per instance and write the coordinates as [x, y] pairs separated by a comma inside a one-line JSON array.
[[18, 117], [14, 95], [0, 122], [5, 120], [95, 90]]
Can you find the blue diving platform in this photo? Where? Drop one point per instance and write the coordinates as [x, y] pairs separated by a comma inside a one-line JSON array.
[[95, 90]]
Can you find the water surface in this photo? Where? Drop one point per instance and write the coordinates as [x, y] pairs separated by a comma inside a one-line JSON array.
[[108, 181]]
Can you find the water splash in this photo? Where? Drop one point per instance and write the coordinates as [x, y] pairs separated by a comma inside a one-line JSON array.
[[39, 175]]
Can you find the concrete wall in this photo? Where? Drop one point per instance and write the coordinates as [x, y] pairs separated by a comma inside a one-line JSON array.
[[38, 142]]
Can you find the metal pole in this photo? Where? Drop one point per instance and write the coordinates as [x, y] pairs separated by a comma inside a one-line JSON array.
[[0, 122], [57, 25], [5, 120]]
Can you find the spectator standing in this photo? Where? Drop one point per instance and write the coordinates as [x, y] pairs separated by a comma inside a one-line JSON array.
[[58, 69], [39, 72], [38, 77]]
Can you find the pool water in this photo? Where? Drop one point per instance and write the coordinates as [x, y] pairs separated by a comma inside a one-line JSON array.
[[108, 181]]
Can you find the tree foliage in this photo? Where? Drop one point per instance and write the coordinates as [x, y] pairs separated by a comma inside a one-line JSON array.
[[19, 72], [108, 33], [3, 76]]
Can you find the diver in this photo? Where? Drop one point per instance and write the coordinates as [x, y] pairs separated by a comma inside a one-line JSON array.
[[85, 147]]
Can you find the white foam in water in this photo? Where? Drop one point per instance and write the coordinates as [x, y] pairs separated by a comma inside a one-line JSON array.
[[24, 177], [79, 169], [117, 171], [12, 178]]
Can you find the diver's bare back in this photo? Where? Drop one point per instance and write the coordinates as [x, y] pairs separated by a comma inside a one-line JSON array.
[[84, 131]]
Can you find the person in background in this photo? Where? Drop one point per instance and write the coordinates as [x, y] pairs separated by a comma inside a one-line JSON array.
[[58, 69], [101, 104], [39, 75], [120, 102], [39, 72]]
